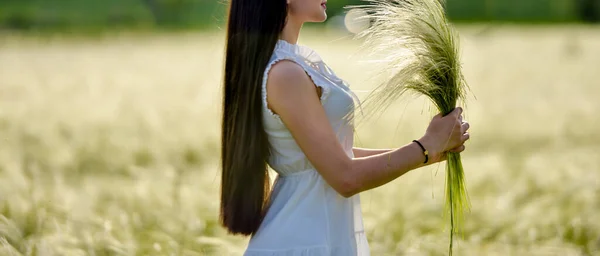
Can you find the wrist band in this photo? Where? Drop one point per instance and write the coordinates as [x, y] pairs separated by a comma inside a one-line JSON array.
[[425, 152]]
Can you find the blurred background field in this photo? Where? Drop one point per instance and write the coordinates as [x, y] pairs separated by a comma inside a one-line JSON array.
[[96, 15], [110, 144]]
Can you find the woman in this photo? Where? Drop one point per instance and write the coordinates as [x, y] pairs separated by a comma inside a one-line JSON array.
[[284, 107]]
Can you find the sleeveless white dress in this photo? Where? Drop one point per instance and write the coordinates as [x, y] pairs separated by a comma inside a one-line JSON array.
[[307, 217]]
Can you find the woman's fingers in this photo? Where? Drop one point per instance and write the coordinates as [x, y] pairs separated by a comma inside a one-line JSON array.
[[458, 149], [460, 132], [457, 112], [464, 127], [466, 136]]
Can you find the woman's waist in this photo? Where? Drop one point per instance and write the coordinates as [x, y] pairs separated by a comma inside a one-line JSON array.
[[297, 173], [293, 163], [288, 164]]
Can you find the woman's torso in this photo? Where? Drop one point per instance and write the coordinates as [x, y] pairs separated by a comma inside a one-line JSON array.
[[306, 216]]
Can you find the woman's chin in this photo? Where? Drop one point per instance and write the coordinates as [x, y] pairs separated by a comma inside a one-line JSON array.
[[318, 18], [323, 18]]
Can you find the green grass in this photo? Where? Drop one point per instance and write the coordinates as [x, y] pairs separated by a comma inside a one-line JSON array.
[[93, 16], [110, 146]]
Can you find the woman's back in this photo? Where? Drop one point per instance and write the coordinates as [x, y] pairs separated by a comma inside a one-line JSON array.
[[306, 216]]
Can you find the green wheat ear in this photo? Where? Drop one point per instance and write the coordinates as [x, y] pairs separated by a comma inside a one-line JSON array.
[[418, 49]]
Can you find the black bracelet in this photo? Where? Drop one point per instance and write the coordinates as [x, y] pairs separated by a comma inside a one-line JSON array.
[[425, 152]]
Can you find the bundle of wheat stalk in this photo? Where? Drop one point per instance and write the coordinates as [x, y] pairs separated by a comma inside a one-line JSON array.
[[418, 49]]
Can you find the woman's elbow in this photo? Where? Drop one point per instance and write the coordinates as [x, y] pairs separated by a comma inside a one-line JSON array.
[[348, 186], [347, 194], [344, 180]]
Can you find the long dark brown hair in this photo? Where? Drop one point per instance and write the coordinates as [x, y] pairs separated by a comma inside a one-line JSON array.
[[253, 29]]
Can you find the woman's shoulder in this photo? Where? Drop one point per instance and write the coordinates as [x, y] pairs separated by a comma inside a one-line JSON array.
[[286, 71], [291, 75]]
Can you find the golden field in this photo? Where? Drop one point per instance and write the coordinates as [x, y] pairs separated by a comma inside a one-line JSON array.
[[110, 146]]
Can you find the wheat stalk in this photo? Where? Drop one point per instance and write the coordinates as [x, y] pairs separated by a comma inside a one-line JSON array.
[[419, 51]]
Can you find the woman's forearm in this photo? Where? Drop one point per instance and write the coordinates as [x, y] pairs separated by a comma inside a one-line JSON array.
[[376, 170], [364, 152]]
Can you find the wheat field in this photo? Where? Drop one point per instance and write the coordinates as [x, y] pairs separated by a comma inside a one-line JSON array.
[[110, 145]]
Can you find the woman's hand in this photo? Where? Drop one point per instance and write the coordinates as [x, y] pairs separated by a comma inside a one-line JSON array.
[[445, 134]]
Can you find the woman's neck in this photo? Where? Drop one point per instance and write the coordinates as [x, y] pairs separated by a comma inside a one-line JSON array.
[[291, 31]]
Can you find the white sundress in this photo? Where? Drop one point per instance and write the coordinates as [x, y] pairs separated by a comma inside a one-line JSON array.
[[307, 217]]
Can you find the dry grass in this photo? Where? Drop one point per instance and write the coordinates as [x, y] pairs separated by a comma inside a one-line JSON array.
[[109, 147]]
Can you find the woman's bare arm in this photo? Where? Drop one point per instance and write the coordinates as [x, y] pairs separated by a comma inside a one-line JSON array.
[[293, 96], [364, 152]]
